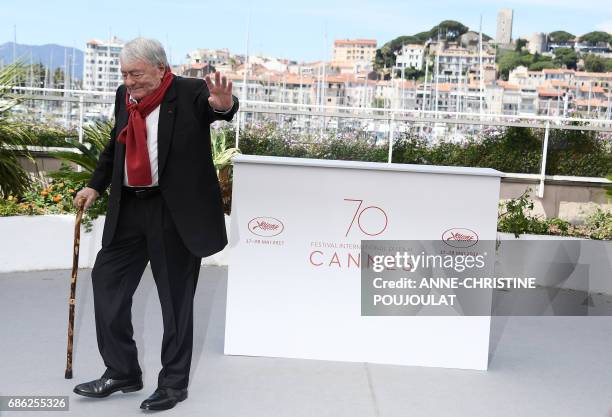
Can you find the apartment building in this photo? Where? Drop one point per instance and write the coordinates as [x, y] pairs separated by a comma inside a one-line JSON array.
[[523, 77], [360, 91], [557, 91], [196, 70], [274, 87], [546, 92], [448, 97], [455, 63], [596, 79], [101, 71], [354, 50], [212, 57], [411, 56]]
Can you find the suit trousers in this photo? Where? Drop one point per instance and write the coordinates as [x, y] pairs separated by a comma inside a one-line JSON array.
[[145, 232]]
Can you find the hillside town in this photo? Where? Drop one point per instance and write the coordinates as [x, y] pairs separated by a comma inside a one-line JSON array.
[[453, 70]]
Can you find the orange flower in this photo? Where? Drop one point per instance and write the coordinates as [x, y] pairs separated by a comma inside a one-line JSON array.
[[57, 198], [44, 193]]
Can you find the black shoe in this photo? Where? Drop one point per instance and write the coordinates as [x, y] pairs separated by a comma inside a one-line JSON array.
[[104, 387], [164, 399]]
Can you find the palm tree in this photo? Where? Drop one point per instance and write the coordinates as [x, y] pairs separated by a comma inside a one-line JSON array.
[[95, 137], [14, 135], [222, 158]]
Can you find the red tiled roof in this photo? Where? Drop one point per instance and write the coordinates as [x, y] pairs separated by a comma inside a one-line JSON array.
[[557, 71], [445, 87], [355, 41], [544, 92], [559, 83], [508, 86], [594, 89], [594, 102], [594, 74], [198, 66]]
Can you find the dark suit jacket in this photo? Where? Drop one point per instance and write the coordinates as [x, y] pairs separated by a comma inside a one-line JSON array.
[[187, 176]]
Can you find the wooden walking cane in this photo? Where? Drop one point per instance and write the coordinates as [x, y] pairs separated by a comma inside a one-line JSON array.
[[73, 280]]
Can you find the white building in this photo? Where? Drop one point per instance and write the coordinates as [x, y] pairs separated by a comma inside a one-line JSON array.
[[455, 63], [101, 71], [503, 36], [411, 56], [270, 63], [213, 57], [275, 87], [274, 64], [521, 76]]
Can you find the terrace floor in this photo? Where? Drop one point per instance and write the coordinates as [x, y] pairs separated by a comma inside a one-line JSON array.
[[539, 366]]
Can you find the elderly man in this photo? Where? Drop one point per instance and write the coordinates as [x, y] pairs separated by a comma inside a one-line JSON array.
[[165, 208]]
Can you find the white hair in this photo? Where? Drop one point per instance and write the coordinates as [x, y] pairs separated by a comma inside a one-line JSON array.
[[142, 49]]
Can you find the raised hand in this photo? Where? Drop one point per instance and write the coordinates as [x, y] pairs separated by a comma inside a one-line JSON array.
[[220, 92]]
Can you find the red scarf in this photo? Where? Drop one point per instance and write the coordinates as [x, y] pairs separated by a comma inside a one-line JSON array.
[[134, 135]]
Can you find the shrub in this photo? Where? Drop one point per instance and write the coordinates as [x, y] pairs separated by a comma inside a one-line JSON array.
[[514, 149], [516, 219], [598, 225], [52, 198]]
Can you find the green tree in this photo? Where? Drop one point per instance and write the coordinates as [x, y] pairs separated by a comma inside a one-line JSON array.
[[507, 61], [520, 44], [95, 138], [566, 57], [593, 38], [448, 29], [540, 65], [14, 135], [38, 73], [410, 73], [379, 103], [34, 74], [560, 36], [58, 78], [386, 55], [594, 63], [527, 59], [222, 155], [423, 37]]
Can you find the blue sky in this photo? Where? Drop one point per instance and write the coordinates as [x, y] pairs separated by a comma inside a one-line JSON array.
[[293, 30]]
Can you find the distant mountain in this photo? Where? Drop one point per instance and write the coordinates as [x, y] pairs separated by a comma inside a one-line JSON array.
[[50, 55]]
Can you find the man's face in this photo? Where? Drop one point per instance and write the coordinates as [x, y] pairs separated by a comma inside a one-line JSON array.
[[141, 78]]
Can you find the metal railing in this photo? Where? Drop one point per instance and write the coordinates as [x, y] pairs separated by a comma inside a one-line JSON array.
[[394, 116], [391, 121]]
